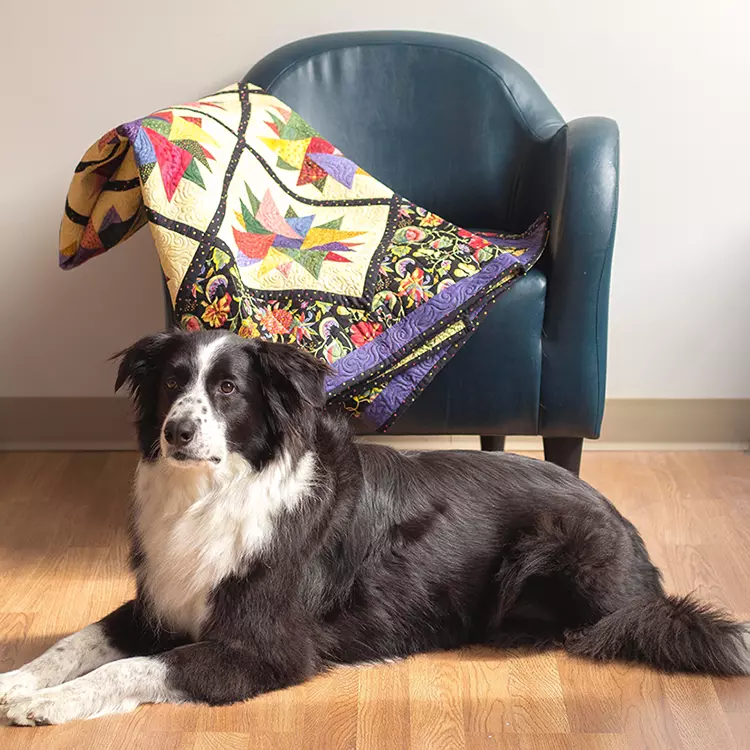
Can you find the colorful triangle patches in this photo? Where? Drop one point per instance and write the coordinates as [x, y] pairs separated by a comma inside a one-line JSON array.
[[301, 149], [276, 241], [177, 144]]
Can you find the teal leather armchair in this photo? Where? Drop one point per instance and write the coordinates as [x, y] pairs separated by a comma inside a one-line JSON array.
[[460, 128]]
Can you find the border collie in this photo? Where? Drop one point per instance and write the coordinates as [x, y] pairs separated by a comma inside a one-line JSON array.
[[267, 546]]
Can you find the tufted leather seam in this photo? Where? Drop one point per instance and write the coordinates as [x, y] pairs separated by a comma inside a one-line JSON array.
[[537, 136], [559, 234], [538, 424], [605, 264], [600, 384]]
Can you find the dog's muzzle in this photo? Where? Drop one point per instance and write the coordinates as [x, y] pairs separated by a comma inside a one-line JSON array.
[[181, 444]]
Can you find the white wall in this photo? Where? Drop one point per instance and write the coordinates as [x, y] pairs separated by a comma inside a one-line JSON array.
[[674, 73]]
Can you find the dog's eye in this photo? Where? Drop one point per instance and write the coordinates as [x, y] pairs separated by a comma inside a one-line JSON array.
[[227, 386], [171, 383]]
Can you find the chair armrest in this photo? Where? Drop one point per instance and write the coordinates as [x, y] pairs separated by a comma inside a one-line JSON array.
[[576, 179]]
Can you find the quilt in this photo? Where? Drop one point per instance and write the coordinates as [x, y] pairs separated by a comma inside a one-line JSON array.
[[265, 228]]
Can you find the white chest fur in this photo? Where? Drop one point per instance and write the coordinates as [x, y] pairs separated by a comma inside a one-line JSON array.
[[199, 524]]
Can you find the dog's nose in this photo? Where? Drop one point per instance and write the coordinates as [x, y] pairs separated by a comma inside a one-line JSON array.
[[179, 432]]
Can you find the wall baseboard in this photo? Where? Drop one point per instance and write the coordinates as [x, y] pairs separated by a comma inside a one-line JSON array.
[[50, 424]]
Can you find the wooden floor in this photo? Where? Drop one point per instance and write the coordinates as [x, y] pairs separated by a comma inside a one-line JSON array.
[[63, 564]]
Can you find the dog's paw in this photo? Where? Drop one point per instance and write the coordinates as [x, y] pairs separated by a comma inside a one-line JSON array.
[[16, 685], [80, 699], [50, 706], [33, 711]]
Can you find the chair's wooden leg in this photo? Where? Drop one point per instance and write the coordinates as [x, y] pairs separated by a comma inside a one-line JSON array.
[[492, 442], [565, 452]]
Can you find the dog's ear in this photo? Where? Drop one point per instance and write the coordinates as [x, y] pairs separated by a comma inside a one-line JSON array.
[[138, 360], [293, 377]]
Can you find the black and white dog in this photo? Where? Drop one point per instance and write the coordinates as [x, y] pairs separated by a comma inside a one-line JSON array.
[[268, 546]]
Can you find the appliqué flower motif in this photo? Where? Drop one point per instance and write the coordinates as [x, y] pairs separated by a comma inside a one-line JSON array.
[[301, 331], [412, 286], [276, 321], [431, 220], [333, 352], [482, 254], [217, 312], [408, 234], [413, 234], [248, 329], [191, 323], [216, 285], [386, 267], [364, 332]]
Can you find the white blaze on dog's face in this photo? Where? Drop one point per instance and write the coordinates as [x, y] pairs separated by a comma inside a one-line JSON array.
[[205, 395], [194, 427]]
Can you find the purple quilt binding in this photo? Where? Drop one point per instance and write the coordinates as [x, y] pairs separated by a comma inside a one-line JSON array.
[[449, 303], [377, 354]]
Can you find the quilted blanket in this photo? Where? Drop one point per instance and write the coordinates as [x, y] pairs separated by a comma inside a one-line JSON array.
[[265, 228]]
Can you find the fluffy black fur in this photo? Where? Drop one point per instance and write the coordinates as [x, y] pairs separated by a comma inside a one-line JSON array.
[[398, 553]]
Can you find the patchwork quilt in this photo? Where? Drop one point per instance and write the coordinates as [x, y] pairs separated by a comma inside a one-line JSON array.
[[264, 228]]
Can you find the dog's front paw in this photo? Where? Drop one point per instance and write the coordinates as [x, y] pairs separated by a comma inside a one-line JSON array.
[[81, 699], [50, 706], [16, 685], [33, 711]]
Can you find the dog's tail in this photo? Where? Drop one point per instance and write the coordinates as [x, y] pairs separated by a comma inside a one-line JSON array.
[[675, 634]]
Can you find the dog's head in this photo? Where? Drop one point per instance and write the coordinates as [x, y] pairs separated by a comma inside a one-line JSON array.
[[201, 396]]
